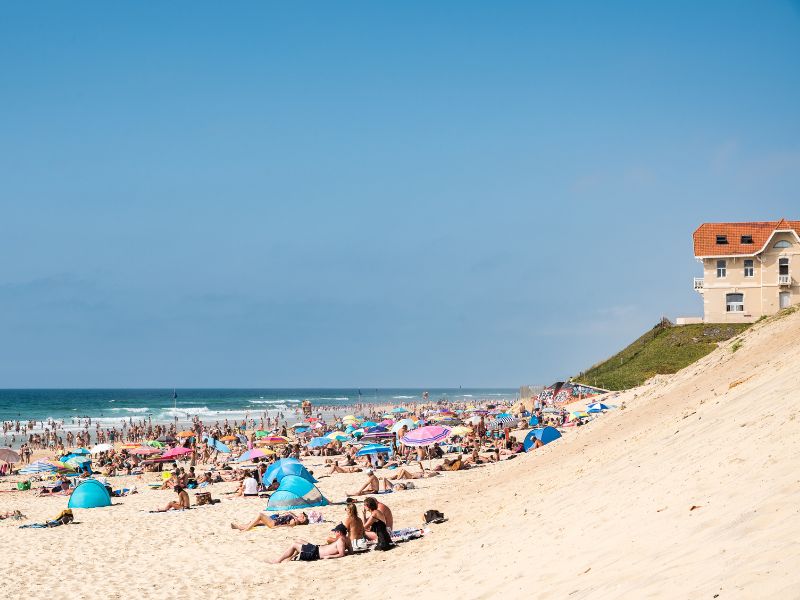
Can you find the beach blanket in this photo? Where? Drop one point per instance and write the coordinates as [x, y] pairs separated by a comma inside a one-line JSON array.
[[409, 533]]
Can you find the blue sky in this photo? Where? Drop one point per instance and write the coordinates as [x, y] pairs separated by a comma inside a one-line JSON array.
[[373, 194]]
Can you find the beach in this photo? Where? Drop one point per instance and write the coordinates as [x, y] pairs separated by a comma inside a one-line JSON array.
[[688, 490]]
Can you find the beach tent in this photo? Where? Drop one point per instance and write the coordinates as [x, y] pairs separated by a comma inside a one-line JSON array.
[[285, 469], [294, 493], [90, 494], [533, 422], [545, 435]]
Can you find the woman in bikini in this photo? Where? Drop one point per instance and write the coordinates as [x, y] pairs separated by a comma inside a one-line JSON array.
[[285, 520]]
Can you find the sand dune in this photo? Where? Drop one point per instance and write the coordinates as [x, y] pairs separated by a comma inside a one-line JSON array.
[[606, 512]]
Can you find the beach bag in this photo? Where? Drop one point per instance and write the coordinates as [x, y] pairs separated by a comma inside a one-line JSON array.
[[202, 498], [434, 516], [23, 485]]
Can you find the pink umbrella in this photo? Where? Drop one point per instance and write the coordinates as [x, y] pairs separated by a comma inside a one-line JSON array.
[[177, 451], [386, 422], [425, 436], [145, 451]]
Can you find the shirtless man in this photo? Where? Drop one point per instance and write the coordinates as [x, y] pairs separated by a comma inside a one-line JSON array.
[[308, 552], [181, 503], [373, 485]]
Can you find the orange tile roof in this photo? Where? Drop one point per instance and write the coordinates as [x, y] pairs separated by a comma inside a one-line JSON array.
[[705, 236]]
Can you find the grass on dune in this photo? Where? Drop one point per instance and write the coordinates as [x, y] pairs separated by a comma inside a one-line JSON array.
[[665, 349]]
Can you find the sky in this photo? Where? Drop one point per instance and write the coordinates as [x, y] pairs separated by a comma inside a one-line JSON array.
[[359, 194]]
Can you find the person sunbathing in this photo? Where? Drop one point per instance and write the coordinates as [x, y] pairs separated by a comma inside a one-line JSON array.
[[12, 514], [457, 464], [285, 520], [372, 486], [181, 503], [336, 468], [306, 551], [403, 473], [60, 488]]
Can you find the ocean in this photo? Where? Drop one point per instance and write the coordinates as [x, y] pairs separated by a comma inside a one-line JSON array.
[[109, 407]]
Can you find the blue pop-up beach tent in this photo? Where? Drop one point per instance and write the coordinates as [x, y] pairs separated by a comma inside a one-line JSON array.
[[546, 435], [90, 494], [293, 493], [281, 469]]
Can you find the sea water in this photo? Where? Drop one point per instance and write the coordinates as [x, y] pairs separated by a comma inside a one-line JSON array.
[[109, 407]]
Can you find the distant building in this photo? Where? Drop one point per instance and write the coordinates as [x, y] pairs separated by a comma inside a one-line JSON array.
[[747, 269]]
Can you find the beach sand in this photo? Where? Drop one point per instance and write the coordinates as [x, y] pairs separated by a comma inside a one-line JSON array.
[[605, 512]]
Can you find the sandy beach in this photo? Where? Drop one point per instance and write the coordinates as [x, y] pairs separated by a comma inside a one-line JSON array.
[[689, 491]]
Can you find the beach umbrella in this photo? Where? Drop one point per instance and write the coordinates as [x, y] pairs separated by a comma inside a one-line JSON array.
[[261, 433], [368, 424], [274, 440], [349, 429], [596, 407], [302, 429], [461, 430], [75, 461], [387, 422], [229, 438], [403, 422], [186, 434], [376, 429], [338, 436], [504, 421], [8, 455], [310, 419], [175, 452], [425, 436], [473, 420], [399, 410], [578, 414], [154, 444], [40, 466], [254, 453], [100, 448], [318, 442], [374, 449], [145, 451], [80, 451], [298, 425]]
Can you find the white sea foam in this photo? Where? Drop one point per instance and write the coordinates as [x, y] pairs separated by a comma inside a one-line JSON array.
[[138, 409], [403, 397]]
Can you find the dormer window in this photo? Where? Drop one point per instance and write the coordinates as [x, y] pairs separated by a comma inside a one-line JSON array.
[[722, 239], [747, 239], [782, 244]]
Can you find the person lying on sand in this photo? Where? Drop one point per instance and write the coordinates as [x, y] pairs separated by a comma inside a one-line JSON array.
[[181, 503], [12, 514], [457, 464], [335, 468], [285, 520], [305, 551], [60, 488], [403, 473]]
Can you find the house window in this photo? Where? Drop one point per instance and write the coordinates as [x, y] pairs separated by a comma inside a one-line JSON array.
[[722, 239], [783, 266], [782, 244], [747, 239], [734, 302], [748, 268], [722, 268]]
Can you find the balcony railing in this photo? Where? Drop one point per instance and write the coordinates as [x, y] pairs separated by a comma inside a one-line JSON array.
[[784, 280], [699, 283]]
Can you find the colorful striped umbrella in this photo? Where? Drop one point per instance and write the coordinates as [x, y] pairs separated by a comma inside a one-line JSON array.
[[274, 440], [145, 451], [40, 466], [425, 436]]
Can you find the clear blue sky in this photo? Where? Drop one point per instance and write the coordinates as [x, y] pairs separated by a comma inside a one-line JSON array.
[[373, 194]]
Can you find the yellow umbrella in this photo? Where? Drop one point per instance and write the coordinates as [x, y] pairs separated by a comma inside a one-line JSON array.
[[461, 430]]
